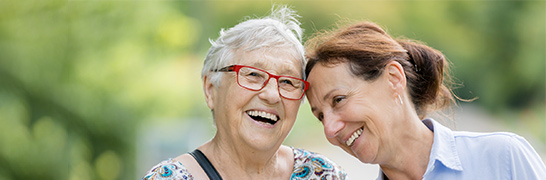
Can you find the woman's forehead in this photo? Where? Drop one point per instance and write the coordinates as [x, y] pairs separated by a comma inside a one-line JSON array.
[[282, 62]]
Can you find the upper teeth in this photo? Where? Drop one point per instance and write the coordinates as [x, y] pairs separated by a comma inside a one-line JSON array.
[[355, 135], [263, 114]]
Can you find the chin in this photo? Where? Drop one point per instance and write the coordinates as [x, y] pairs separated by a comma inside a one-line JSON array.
[[348, 151], [365, 158]]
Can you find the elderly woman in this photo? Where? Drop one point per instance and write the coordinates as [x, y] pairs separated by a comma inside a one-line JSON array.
[[253, 84], [372, 93]]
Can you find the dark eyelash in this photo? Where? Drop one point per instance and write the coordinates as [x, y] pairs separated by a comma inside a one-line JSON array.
[[337, 99]]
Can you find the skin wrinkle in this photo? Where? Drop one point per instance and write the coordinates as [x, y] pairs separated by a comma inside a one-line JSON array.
[[286, 68], [249, 146], [374, 105], [236, 129]]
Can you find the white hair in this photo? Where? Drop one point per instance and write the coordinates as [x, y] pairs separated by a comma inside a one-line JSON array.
[[279, 29]]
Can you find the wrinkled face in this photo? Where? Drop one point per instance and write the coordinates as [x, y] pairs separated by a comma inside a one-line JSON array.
[[257, 119], [354, 112]]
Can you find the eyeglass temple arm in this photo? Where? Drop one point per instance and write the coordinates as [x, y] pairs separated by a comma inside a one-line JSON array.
[[224, 69]]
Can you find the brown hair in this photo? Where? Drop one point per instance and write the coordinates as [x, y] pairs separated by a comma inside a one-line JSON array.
[[368, 49]]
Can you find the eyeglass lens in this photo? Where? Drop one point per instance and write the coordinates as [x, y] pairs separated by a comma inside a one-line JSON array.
[[256, 79]]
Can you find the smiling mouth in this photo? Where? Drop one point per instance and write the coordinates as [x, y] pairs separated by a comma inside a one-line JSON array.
[[355, 135], [264, 117]]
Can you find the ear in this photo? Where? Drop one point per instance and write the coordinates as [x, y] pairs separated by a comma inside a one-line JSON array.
[[396, 77], [209, 89]]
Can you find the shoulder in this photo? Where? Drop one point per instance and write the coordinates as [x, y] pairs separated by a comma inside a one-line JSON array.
[[168, 169], [505, 149], [310, 165], [495, 140]]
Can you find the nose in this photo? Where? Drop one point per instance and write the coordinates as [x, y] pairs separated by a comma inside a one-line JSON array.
[[332, 124], [270, 93]]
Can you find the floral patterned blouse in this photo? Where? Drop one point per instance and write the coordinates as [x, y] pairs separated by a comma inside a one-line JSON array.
[[307, 165]]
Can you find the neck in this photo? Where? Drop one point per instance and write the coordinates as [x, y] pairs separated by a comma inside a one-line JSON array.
[[411, 153], [234, 159]]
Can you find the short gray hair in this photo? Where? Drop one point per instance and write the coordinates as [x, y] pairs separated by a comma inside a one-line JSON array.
[[279, 29]]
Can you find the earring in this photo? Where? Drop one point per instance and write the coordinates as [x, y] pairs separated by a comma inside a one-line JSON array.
[[400, 98]]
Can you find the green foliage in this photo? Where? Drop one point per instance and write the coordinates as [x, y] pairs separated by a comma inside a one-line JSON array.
[[78, 77]]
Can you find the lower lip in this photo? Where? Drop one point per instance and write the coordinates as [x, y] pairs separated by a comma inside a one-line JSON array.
[[262, 124]]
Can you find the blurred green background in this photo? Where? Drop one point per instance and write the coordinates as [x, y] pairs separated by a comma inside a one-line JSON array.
[[105, 89]]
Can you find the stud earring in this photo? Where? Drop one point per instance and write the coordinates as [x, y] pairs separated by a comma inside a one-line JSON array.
[[400, 98]]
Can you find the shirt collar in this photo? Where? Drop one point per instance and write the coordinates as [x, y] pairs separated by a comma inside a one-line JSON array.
[[444, 148]]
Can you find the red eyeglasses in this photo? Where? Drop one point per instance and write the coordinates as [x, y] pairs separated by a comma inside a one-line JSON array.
[[255, 79]]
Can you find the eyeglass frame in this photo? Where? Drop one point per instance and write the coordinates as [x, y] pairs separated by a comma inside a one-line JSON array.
[[236, 68]]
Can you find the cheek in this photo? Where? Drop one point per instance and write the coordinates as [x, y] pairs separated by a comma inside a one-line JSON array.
[[291, 107]]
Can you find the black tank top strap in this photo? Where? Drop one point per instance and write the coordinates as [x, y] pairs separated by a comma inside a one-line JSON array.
[[205, 164]]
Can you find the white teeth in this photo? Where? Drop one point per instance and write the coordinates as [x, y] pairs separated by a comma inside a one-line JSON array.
[[355, 135], [263, 114]]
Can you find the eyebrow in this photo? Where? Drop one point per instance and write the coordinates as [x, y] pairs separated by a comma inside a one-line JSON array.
[[284, 71], [328, 94], [289, 72]]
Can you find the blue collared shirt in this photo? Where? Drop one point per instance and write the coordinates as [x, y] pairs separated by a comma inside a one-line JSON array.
[[468, 155]]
